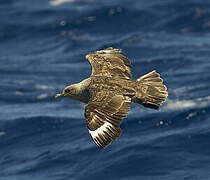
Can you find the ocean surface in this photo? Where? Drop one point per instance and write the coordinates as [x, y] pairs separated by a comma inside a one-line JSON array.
[[42, 49]]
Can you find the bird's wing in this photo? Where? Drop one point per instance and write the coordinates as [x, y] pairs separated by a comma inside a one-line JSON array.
[[104, 113], [110, 63]]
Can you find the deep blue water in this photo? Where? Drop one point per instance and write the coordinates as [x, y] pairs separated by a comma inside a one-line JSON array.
[[42, 49]]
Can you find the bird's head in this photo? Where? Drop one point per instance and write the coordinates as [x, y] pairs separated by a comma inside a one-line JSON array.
[[69, 91]]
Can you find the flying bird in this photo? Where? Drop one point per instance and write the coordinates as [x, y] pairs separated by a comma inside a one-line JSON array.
[[109, 92]]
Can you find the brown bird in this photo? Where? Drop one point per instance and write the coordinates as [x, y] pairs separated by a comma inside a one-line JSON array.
[[110, 90]]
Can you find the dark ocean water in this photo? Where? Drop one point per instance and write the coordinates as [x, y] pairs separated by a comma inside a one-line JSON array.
[[42, 49]]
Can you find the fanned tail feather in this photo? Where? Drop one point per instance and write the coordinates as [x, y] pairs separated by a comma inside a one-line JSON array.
[[151, 91]]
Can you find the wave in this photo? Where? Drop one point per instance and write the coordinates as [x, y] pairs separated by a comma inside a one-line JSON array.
[[185, 17], [50, 144], [43, 45], [60, 2]]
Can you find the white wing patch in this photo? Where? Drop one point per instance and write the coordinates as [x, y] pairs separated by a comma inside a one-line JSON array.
[[100, 130], [105, 134]]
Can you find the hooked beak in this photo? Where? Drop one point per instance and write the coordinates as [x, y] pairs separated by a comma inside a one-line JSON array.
[[59, 95]]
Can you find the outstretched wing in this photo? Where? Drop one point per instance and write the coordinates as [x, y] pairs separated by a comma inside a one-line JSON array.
[[104, 113], [110, 63]]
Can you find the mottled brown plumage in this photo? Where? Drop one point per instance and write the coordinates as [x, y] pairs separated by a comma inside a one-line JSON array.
[[109, 92]]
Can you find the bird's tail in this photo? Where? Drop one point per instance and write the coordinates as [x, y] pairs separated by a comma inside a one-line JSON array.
[[150, 90]]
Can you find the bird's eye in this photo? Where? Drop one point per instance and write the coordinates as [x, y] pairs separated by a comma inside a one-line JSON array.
[[67, 90]]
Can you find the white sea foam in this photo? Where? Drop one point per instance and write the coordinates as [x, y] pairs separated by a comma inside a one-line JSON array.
[[43, 87], [42, 96], [60, 2], [184, 104], [18, 93], [180, 104], [2, 133]]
